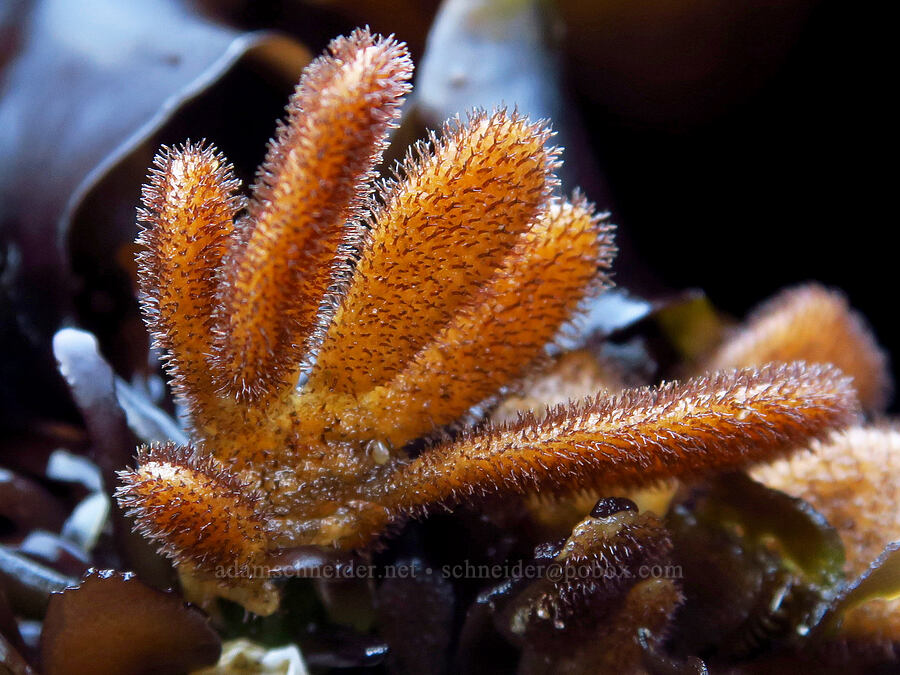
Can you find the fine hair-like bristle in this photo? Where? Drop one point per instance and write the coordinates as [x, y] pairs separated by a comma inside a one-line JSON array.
[[444, 230], [190, 203], [813, 324], [501, 333], [309, 192], [725, 421], [202, 514]]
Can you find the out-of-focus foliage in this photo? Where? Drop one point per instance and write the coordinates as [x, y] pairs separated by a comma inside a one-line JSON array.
[[88, 92], [113, 623], [760, 568]]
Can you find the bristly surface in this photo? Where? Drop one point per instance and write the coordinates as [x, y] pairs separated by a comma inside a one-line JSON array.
[[498, 335], [725, 421], [190, 203], [817, 325], [309, 193], [465, 269], [201, 514], [444, 230]]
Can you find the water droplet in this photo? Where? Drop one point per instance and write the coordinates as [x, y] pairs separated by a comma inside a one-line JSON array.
[[379, 451]]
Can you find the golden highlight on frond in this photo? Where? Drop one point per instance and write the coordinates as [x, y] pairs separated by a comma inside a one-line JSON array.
[[188, 217], [813, 324], [851, 479], [202, 514], [310, 190], [444, 230], [716, 423], [498, 336]]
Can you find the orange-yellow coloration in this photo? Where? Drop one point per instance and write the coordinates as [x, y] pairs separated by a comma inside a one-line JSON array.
[[851, 479], [310, 190], [498, 336], [813, 324], [716, 423], [445, 229], [190, 206], [574, 376], [467, 270], [200, 512]]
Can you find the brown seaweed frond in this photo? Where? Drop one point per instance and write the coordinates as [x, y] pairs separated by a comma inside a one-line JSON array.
[[598, 592], [190, 203], [499, 334], [413, 304], [446, 227]]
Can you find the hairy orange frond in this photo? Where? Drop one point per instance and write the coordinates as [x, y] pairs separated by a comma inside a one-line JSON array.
[[202, 514], [188, 216], [716, 423], [411, 306], [315, 179], [443, 232], [813, 324], [501, 334]]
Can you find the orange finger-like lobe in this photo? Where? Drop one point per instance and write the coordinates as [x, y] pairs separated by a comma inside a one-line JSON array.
[[817, 325], [494, 340], [190, 203], [201, 514], [300, 232], [716, 423], [443, 232]]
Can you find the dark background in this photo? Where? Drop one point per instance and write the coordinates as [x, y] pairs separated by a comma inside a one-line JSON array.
[[788, 186]]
